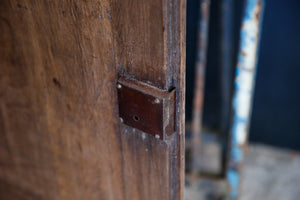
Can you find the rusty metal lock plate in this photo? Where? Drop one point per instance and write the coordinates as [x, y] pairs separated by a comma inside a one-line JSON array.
[[146, 108]]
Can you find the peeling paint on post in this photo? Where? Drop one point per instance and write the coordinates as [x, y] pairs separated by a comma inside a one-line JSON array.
[[244, 84]]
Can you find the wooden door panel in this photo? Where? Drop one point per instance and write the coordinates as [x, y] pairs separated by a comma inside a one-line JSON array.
[[60, 136]]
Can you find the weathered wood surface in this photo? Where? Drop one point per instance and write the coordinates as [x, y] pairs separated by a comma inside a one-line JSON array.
[[60, 136]]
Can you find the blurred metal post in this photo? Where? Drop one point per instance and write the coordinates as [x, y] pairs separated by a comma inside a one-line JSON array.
[[227, 62], [199, 84], [244, 84]]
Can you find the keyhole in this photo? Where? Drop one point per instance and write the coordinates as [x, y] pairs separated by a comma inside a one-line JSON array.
[[136, 118]]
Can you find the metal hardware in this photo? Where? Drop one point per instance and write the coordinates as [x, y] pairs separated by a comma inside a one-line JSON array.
[[146, 108]]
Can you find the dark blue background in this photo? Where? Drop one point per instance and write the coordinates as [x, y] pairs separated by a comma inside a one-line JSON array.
[[276, 106]]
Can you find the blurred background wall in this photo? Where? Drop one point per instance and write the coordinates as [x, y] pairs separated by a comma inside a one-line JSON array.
[[276, 104]]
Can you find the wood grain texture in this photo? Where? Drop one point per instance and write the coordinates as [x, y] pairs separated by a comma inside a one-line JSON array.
[[60, 136]]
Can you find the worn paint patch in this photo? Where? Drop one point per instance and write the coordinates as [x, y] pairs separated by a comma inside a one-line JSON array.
[[244, 84], [233, 180]]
